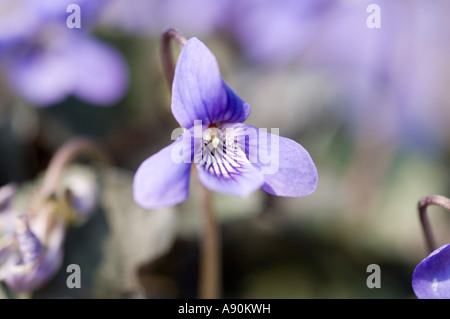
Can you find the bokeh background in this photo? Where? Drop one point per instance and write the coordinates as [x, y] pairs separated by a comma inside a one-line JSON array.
[[371, 105]]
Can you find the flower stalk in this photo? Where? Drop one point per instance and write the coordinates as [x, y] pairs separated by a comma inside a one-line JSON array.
[[423, 204], [210, 266], [65, 155], [166, 52], [210, 269]]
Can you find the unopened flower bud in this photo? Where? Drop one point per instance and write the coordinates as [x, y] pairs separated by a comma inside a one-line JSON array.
[[84, 192], [29, 245]]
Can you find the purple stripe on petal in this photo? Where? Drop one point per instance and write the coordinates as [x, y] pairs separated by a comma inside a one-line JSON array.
[[431, 278], [163, 179], [225, 168], [199, 92]]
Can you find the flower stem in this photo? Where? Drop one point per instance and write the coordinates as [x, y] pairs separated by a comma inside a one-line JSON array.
[[67, 153], [437, 200], [166, 52], [210, 270]]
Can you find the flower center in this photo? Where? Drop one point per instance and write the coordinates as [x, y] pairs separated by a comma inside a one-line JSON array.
[[219, 155]]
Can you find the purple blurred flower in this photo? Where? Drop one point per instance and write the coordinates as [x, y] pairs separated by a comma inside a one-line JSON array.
[[231, 157], [32, 264], [395, 76], [46, 61], [151, 17], [29, 254], [431, 278], [31, 245], [278, 32]]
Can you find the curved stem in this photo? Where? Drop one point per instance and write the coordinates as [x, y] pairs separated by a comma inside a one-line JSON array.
[[210, 272], [437, 200], [166, 52], [67, 153]]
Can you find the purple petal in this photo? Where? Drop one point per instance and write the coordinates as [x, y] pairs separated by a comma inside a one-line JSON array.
[[17, 19], [42, 75], [199, 92], [67, 62], [57, 10], [226, 169], [431, 278], [161, 181], [101, 72], [277, 32], [287, 167], [185, 15]]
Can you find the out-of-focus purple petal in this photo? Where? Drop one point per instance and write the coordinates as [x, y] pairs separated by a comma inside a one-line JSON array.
[[101, 72], [431, 278], [200, 17], [199, 92], [152, 17], [137, 16], [163, 179], [17, 19], [67, 62], [50, 9], [42, 75], [276, 32], [287, 167]]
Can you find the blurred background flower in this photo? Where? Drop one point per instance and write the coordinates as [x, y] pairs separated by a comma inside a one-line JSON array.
[[369, 104], [47, 61]]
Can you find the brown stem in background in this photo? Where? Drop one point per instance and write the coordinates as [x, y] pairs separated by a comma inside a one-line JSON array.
[[67, 153], [437, 200], [166, 52], [210, 269]]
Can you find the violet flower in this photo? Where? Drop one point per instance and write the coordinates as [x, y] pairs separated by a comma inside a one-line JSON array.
[[279, 32], [32, 264], [31, 245], [151, 17], [46, 62], [230, 157], [30, 248], [431, 278]]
